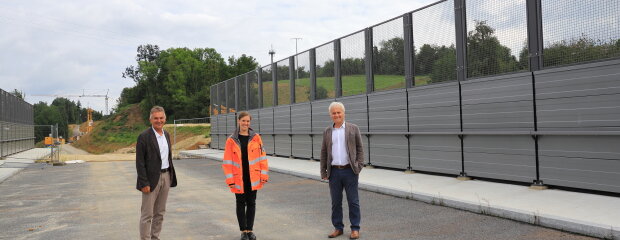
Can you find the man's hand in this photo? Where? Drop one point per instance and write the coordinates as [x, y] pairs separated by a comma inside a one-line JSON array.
[[325, 178], [146, 189]]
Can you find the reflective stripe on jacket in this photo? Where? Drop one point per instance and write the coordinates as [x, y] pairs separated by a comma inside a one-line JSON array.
[[257, 160]]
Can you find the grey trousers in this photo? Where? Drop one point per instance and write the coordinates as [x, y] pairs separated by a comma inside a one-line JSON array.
[[153, 208]]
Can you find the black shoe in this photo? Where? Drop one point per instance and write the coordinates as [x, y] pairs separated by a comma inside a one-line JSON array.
[[244, 236], [251, 236]]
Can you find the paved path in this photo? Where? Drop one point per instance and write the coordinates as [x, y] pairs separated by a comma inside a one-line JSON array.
[[589, 214], [14, 163], [98, 201], [68, 149]]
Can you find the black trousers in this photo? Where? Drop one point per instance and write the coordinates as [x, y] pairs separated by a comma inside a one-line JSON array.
[[246, 209]]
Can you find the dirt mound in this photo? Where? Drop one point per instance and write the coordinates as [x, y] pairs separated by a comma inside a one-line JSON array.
[[118, 133]]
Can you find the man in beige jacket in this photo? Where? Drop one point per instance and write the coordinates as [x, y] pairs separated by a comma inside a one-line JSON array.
[[342, 159]]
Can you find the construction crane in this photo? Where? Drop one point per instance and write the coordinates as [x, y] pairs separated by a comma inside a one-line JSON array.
[[81, 96], [90, 120]]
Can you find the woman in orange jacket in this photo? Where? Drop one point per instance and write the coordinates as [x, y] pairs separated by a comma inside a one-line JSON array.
[[246, 169]]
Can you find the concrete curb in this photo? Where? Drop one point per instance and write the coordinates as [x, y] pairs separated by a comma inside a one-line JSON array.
[[6, 173], [555, 222]]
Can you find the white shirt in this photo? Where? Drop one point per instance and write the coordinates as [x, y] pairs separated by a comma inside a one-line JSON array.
[[163, 149], [339, 146]]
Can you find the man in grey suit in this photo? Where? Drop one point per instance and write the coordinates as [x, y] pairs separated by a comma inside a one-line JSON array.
[[155, 173], [342, 159]]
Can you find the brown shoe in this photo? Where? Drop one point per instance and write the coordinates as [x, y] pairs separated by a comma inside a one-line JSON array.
[[355, 234], [336, 233]]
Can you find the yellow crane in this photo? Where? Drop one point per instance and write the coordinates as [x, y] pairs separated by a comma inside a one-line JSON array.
[[81, 96]]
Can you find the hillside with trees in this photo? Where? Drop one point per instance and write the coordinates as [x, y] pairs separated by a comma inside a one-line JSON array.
[[179, 79], [63, 112]]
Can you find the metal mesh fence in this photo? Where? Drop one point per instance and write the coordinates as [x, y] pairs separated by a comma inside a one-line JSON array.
[[267, 81], [230, 95], [221, 93], [352, 64], [213, 100], [253, 85], [16, 124], [388, 55], [325, 80], [496, 37], [435, 54], [580, 31], [242, 93], [284, 83], [302, 77]]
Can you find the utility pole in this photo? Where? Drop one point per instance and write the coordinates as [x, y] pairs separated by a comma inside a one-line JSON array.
[[296, 39], [296, 72], [272, 52]]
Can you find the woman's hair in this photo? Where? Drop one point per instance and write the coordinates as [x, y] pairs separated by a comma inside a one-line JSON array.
[[242, 114]]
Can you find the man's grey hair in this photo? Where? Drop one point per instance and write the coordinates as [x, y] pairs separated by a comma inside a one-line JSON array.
[[336, 104], [157, 109]]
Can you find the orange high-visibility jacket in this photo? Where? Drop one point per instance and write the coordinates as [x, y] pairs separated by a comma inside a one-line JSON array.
[[257, 159]]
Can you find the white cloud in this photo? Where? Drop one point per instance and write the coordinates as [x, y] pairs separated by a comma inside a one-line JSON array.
[[61, 47]]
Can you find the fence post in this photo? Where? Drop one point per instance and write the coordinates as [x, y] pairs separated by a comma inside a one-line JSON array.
[[370, 83], [461, 66], [312, 54], [291, 77], [535, 48], [259, 73], [337, 69], [246, 81], [236, 92]]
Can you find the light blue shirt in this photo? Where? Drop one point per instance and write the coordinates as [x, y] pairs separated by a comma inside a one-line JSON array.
[[340, 156], [163, 148]]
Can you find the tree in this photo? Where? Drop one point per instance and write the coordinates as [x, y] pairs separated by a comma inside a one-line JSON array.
[[485, 54], [389, 57], [425, 59], [179, 79], [19, 94], [444, 68]]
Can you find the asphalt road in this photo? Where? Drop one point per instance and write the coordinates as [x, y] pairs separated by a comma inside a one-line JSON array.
[[99, 201]]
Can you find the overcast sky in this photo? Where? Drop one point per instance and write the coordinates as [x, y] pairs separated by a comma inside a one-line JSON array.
[[62, 47]]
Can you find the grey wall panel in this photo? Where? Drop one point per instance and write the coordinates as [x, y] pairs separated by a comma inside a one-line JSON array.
[[500, 157], [214, 124], [434, 107], [320, 115], [356, 111], [498, 103], [222, 141], [301, 119], [388, 151], [302, 146], [231, 123], [388, 111], [266, 120], [590, 162], [214, 141], [282, 119], [388, 121], [222, 124], [255, 124], [440, 154], [317, 140], [582, 97], [282, 145], [268, 143]]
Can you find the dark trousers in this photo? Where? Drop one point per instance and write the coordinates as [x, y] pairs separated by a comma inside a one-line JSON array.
[[346, 179], [246, 209]]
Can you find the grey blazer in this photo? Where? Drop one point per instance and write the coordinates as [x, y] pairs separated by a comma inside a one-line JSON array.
[[355, 149]]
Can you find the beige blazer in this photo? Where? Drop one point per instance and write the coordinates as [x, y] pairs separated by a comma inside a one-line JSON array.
[[355, 149]]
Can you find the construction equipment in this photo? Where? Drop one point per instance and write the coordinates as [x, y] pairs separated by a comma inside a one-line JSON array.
[[81, 96], [90, 119]]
